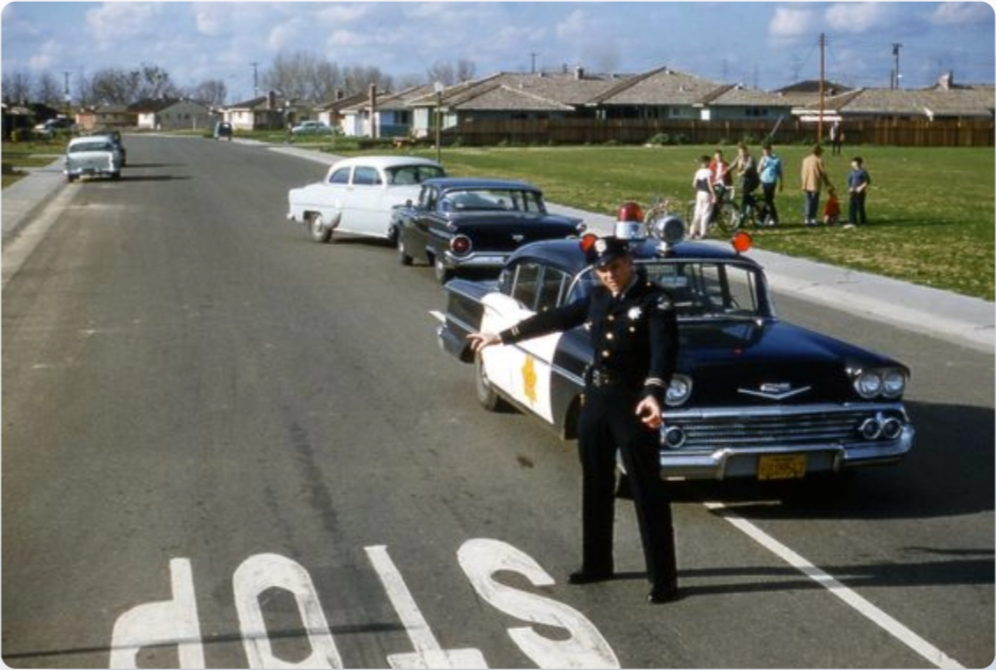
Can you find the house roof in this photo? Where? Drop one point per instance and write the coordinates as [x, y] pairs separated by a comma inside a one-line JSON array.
[[152, 106], [737, 95], [256, 103], [662, 86], [502, 97], [931, 103]]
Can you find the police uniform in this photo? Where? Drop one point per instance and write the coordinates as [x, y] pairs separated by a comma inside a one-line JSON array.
[[635, 340]]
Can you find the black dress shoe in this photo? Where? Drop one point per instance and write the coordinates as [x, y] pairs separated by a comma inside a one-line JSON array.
[[588, 577], [665, 593]]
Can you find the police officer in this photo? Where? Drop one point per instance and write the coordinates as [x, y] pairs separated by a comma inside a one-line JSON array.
[[635, 337]]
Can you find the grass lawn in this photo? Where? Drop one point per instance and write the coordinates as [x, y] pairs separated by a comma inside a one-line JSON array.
[[27, 155], [931, 210]]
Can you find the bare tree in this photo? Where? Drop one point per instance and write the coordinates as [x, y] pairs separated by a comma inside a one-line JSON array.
[[450, 73], [16, 87], [49, 90], [114, 86], [211, 92]]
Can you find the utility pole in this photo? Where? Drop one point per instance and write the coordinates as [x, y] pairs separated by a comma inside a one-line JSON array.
[[255, 79], [819, 126], [532, 56], [68, 98], [895, 52]]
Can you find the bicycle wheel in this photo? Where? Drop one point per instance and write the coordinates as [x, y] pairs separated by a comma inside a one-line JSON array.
[[728, 218]]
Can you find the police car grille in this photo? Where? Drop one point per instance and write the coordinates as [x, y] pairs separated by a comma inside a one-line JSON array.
[[756, 431]]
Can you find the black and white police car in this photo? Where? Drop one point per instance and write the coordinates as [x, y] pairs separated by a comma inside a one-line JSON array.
[[753, 396]]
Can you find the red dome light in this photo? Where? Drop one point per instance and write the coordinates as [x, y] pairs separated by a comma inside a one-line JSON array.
[[629, 211]]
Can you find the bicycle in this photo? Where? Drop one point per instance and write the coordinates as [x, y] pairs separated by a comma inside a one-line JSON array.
[[725, 213], [754, 212]]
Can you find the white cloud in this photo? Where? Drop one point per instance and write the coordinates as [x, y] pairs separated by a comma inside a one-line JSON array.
[[113, 22], [790, 24], [48, 57], [347, 38], [963, 13], [574, 27], [349, 13], [212, 18], [859, 17]]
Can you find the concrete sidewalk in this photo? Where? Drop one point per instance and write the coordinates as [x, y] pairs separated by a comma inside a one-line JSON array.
[[942, 314]]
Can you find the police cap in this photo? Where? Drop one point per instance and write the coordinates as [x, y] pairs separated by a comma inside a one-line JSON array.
[[607, 249]]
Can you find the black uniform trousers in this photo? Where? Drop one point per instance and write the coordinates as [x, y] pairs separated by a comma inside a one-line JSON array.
[[607, 423]]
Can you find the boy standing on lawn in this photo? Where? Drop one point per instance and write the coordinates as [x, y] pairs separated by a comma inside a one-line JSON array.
[[858, 180]]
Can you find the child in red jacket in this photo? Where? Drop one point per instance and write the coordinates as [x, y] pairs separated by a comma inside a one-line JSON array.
[[831, 212]]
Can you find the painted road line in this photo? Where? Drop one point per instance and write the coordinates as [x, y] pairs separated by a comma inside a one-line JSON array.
[[827, 581], [428, 653]]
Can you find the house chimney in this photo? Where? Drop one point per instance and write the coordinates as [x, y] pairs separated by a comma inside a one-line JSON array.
[[271, 100], [579, 73], [339, 94], [946, 81], [373, 110]]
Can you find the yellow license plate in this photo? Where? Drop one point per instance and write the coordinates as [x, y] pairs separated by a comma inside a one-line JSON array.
[[778, 466]]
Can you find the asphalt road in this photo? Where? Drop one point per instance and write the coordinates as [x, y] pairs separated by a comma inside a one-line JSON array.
[[225, 445]]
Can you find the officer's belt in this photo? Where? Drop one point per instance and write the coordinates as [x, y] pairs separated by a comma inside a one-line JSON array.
[[600, 377]]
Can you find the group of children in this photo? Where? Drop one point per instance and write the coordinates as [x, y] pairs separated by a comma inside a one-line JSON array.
[[714, 176]]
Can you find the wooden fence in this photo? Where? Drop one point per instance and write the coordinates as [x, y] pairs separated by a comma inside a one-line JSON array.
[[916, 132]]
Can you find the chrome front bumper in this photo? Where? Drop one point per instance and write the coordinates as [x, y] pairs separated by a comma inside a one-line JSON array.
[[731, 443]]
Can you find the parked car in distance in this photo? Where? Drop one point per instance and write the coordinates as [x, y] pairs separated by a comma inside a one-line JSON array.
[[311, 128], [753, 396], [92, 156], [50, 127], [223, 131], [358, 195], [459, 224]]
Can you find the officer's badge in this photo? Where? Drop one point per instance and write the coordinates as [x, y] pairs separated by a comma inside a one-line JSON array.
[[634, 314], [600, 246]]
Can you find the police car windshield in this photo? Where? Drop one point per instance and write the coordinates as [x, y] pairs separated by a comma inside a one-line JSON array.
[[700, 289]]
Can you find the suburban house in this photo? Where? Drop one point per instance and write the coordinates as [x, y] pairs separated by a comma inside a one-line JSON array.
[[381, 114], [658, 94], [331, 114], [105, 116], [172, 114], [267, 112]]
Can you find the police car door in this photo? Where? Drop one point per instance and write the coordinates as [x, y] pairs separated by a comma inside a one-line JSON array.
[[523, 371]]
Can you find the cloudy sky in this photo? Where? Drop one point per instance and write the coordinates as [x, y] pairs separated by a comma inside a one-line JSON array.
[[764, 44]]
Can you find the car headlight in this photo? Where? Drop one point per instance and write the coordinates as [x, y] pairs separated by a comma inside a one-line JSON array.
[[678, 391], [868, 384], [893, 383]]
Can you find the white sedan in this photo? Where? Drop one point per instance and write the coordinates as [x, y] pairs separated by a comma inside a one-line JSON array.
[[358, 195]]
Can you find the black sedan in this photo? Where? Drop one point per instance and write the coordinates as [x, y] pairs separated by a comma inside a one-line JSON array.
[[754, 396], [474, 223]]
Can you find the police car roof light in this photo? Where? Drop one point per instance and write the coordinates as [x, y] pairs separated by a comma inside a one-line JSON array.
[[630, 212], [742, 242], [588, 242]]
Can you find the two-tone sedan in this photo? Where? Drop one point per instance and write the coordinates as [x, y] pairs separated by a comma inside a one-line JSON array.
[[93, 156], [460, 224], [358, 196], [753, 396]]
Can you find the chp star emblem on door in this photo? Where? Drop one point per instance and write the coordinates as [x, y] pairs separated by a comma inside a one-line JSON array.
[[529, 379]]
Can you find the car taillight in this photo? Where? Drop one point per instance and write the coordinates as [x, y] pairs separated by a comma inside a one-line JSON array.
[[460, 244]]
